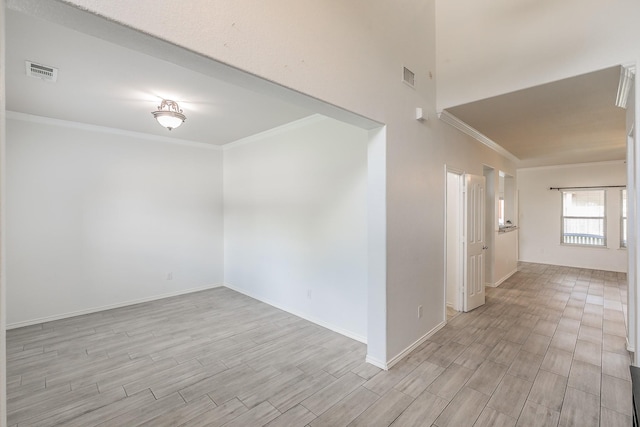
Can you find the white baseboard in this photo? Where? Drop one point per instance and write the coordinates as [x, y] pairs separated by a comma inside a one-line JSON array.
[[107, 307], [499, 282], [452, 306], [412, 347], [304, 316], [376, 362]]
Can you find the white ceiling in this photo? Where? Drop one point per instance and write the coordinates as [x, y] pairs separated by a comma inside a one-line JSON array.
[[102, 83], [573, 120], [105, 84]]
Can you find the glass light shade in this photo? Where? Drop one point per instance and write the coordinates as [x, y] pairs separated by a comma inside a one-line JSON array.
[[169, 119], [169, 114]]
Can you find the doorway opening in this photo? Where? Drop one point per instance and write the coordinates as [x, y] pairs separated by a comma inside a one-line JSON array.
[[465, 252]]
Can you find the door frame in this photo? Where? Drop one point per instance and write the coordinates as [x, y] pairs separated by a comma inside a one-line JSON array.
[[491, 221], [458, 250]]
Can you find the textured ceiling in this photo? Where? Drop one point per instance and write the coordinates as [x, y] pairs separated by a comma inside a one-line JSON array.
[[573, 120]]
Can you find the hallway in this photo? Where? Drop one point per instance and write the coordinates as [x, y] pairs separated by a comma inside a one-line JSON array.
[[547, 349]]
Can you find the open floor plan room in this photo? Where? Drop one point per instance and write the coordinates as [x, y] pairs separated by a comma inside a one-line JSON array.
[[548, 349]]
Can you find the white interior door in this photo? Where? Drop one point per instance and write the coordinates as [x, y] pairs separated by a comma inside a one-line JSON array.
[[474, 239]]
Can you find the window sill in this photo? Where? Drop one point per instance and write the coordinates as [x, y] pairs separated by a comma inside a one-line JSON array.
[[571, 245]]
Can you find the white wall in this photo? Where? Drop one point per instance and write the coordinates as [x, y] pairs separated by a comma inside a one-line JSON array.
[[295, 206], [491, 47], [540, 213], [506, 260], [356, 66], [98, 219]]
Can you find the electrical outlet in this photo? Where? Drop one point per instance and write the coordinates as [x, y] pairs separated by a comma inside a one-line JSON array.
[[419, 312], [169, 276]]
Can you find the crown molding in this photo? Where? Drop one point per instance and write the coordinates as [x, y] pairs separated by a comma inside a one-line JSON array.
[[305, 121], [24, 117], [627, 74], [452, 120], [573, 165]]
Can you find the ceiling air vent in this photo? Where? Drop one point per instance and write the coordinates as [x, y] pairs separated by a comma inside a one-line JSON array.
[[43, 72], [408, 77]]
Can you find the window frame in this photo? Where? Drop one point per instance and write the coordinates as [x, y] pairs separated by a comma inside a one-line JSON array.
[[603, 218]]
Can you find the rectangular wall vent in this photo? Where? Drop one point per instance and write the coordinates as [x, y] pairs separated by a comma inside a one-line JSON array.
[[43, 72], [408, 77]]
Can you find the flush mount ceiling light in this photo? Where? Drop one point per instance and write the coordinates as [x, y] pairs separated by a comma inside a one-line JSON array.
[[169, 114]]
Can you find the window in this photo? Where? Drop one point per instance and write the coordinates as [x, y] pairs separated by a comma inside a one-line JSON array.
[[623, 219], [583, 217]]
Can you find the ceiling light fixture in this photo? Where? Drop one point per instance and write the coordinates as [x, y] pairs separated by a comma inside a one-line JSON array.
[[169, 114]]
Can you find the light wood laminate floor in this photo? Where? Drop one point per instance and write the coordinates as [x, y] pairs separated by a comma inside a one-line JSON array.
[[548, 349]]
